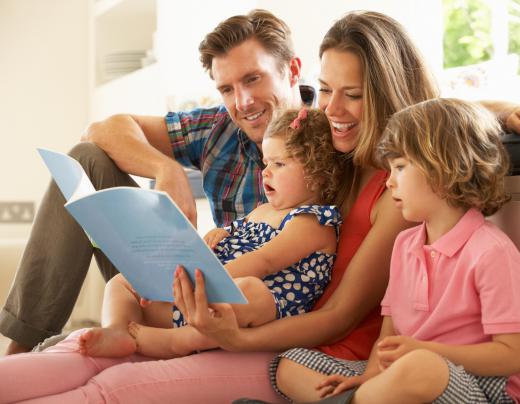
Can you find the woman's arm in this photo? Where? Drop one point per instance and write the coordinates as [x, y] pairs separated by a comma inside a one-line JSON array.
[[299, 238], [499, 357], [360, 291]]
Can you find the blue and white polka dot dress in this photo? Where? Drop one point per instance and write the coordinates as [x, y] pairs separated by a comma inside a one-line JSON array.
[[296, 288]]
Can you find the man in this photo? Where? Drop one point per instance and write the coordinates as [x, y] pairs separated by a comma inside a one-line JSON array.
[[252, 62]]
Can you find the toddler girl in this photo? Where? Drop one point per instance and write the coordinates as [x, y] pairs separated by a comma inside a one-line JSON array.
[[280, 255]]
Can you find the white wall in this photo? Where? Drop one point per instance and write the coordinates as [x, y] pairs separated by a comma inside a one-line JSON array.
[[308, 19], [43, 91], [44, 68]]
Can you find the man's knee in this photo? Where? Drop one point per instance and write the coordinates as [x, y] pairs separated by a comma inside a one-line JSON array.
[[87, 153]]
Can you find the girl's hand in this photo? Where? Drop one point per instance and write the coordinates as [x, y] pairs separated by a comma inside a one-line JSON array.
[[391, 348], [213, 237], [217, 321], [335, 384]]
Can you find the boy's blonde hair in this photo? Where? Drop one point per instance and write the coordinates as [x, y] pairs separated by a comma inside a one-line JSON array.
[[311, 144], [456, 144]]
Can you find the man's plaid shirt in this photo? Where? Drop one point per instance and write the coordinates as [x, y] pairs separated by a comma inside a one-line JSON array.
[[207, 140]]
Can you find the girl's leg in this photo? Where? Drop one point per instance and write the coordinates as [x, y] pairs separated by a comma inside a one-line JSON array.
[[120, 306], [216, 377], [418, 377], [261, 308], [174, 342]]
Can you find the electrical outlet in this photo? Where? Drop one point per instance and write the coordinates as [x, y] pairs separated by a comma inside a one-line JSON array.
[[16, 212]]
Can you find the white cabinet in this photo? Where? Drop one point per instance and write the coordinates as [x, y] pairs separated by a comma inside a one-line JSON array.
[[123, 35], [125, 76]]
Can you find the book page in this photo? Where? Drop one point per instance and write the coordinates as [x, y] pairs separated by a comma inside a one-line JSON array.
[[68, 174], [145, 235]]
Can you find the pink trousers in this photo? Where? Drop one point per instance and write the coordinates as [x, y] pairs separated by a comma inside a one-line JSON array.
[[62, 375]]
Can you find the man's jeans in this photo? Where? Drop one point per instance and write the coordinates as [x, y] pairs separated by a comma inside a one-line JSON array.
[[56, 259]]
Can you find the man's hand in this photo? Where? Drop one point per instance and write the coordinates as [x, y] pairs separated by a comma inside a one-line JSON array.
[[391, 348], [513, 121], [172, 179], [213, 237]]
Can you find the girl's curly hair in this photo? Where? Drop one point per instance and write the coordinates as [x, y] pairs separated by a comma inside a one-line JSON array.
[[456, 144], [311, 144]]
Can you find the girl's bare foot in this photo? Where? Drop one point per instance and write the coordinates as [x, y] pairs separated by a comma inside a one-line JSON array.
[[164, 343], [108, 342]]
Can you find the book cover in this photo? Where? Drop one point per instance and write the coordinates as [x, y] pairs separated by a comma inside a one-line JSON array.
[[143, 233]]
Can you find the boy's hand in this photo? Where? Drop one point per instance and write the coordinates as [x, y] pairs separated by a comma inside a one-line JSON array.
[[391, 348], [335, 384], [213, 237]]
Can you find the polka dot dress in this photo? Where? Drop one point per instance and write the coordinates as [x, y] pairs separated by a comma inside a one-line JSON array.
[[296, 288]]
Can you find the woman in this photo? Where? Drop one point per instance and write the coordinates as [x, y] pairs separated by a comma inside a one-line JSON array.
[[369, 70]]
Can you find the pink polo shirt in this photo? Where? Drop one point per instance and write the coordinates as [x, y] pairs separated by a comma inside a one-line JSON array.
[[458, 290]]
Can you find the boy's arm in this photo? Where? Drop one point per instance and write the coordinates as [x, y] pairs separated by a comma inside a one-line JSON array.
[[499, 357], [300, 237]]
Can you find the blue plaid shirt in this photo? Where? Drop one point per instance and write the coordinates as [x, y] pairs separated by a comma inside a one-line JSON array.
[[231, 165]]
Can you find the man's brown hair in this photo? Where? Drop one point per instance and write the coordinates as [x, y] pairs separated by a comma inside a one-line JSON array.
[[271, 32]]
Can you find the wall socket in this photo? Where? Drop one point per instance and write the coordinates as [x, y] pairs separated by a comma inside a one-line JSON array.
[[16, 212]]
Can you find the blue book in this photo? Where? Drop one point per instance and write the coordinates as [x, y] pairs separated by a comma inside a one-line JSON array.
[[143, 233]]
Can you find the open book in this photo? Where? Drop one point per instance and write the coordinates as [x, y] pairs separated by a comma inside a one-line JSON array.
[[143, 233]]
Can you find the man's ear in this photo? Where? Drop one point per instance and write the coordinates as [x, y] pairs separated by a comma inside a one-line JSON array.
[[295, 70]]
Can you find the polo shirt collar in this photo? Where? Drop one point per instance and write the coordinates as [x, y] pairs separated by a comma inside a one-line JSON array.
[[452, 241]]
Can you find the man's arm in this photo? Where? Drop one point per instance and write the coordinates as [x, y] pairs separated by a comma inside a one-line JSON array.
[[140, 145], [507, 113]]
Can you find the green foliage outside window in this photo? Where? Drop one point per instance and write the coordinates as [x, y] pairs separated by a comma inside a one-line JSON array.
[[514, 28], [467, 27], [467, 39]]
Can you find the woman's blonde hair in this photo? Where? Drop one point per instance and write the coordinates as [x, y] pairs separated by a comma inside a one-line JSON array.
[[456, 144], [310, 142], [394, 77]]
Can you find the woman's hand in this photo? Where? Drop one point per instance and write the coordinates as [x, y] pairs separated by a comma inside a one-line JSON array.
[[391, 348], [217, 321], [213, 237]]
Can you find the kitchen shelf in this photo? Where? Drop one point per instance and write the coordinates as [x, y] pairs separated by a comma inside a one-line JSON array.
[[121, 26]]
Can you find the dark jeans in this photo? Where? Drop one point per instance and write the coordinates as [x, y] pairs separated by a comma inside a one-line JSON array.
[[56, 258]]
